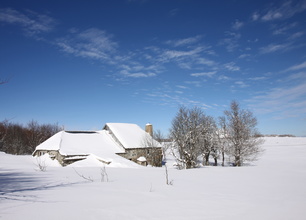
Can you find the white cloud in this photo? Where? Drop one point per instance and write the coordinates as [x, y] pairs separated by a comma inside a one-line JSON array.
[[194, 83], [258, 78], [223, 77], [230, 41], [241, 84], [191, 57], [185, 41], [245, 55], [296, 35], [255, 16], [172, 54], [283, 102], [284, 11], [284, 28], [136, 70], [92, 43], [31, 22], [271, 48], [237, 25], [181, 87], [297, 76], [205, 61], [208, 74], [297, 67], [231, 66], [137, 75]]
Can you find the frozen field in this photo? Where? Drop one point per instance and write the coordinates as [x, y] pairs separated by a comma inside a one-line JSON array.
[[272, 188]]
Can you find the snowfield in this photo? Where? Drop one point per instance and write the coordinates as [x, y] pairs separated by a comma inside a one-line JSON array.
[[271, 188]]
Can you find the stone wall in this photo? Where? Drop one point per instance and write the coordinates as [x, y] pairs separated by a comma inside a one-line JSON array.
[[153, 155]]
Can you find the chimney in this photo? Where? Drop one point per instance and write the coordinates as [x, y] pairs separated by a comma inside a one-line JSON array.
[[149, 129]]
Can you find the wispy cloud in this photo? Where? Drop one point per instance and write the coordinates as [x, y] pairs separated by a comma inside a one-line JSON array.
[[296, 35], [181, 87], [174, 12], [297, 67], [230, 41], [245, 55], [137, 70], [32, 23], [194, 83], [286, 10], [231, 66], [137, 75], [92, 43], [174, 54], [173, 98], [271, 48], [237, 25], [241, 84], [258, 78], [185, 41], [223, 77], [206, 62], [255, 16], [283, 102], [208, 74], [284, 28]]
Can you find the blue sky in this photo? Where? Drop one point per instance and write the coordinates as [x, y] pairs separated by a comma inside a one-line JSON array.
[[84, 63]]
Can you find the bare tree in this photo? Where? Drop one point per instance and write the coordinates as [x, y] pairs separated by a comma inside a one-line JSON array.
[[19, 139], [208, 139], [221, 134], [186, 136], [241, 135], [153, 150]]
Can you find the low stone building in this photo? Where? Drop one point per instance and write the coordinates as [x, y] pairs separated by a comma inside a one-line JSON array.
[[111, 144]]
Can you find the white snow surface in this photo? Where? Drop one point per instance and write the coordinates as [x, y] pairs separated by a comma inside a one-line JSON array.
[[271, 188], [130, 135]]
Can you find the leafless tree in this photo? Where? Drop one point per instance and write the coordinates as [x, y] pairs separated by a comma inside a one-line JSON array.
[[153, 150], [41, 164], [241, 135], [185, 134], [221, 134], [19, 139], [208, 139]]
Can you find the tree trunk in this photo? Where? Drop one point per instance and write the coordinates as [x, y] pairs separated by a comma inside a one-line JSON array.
[[237, 161], [206, 159], [216, 162], [223, 159]]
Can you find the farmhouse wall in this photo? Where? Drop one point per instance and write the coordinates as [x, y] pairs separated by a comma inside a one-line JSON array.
[[153, 155]]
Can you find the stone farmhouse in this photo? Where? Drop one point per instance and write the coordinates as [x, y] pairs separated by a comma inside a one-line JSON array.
[[114, 143]]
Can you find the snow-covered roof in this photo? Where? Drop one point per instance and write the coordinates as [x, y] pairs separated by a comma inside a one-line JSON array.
[[98, 143], [131, 135], [52, 143]]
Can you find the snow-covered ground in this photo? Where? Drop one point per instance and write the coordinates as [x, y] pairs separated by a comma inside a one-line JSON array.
[[271, 188]]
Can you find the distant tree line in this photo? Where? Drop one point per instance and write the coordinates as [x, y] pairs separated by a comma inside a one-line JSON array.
[[278, 135], [196, 135], [19, 139]]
